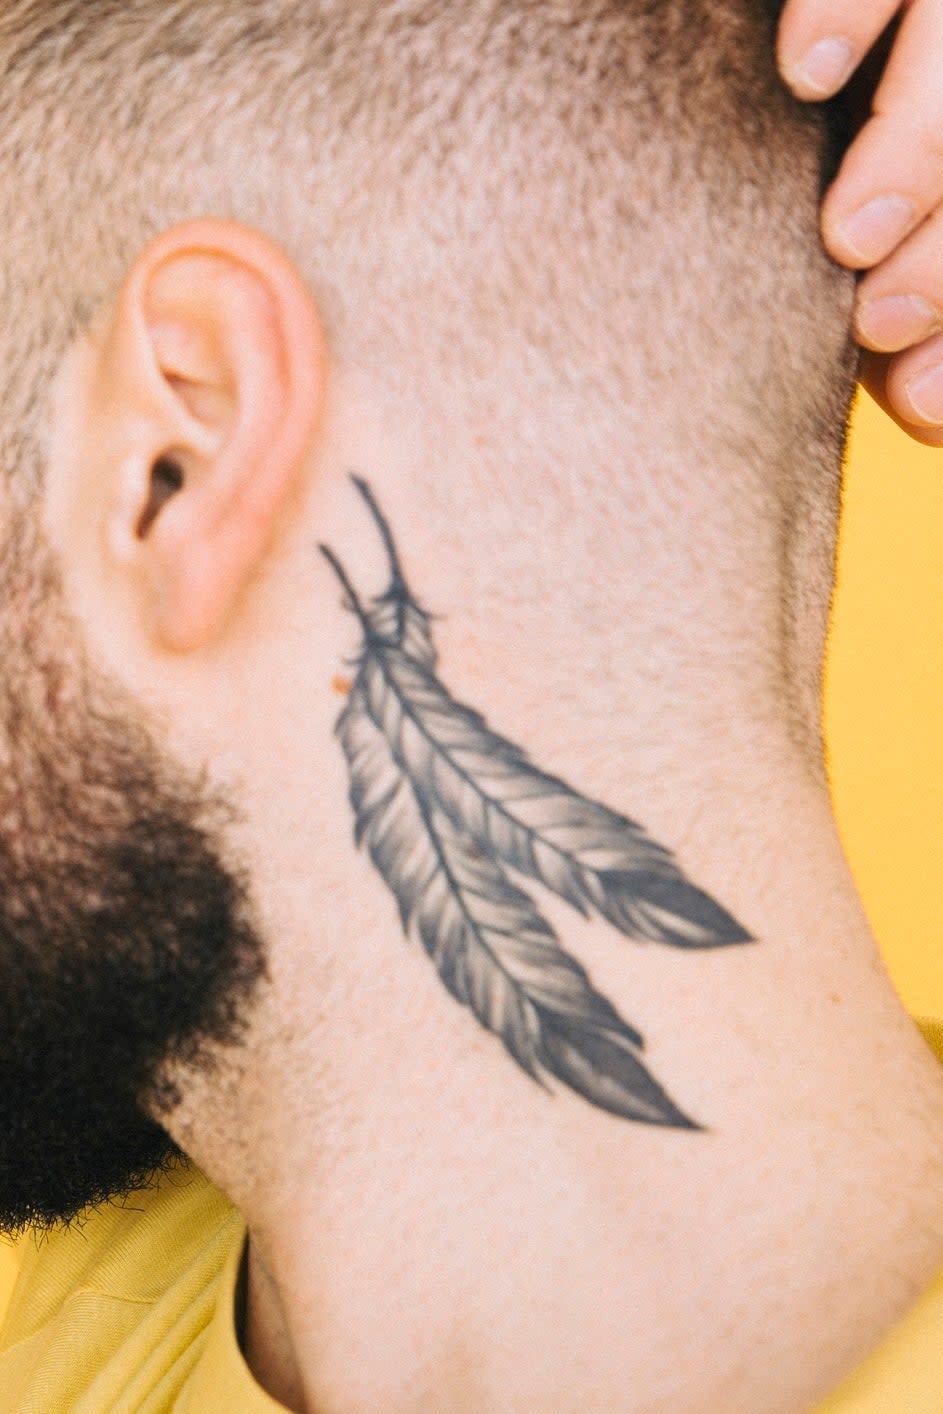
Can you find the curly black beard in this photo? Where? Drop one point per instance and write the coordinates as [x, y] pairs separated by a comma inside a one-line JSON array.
[[126, 943]]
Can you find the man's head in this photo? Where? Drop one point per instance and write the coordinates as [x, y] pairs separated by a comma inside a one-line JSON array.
[[568, 247], [450, 180]]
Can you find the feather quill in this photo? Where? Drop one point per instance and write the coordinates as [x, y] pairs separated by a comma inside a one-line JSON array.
[[396, 616]]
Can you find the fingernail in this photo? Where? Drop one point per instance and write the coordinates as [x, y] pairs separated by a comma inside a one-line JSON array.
[[877, 227], [926, 395], [823, 69], [896, 322]]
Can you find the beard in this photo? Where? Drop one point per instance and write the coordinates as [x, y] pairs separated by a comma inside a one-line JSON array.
[[127, 948]]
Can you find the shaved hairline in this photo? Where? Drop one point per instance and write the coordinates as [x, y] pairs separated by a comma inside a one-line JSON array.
[[367, 133]]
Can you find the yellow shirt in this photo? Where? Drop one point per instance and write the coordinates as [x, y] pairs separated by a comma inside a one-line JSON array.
[[133, 1312]]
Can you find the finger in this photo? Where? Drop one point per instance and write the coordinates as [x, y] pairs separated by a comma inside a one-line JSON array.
[[822, 42], [901, 302], [893, 175], [909, 386], [892, 178], [875, 373]]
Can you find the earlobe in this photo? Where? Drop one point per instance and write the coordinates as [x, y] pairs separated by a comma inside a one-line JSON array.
[[213, 379]]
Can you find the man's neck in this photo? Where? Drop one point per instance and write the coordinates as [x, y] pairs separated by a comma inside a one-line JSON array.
[[426, 1221]]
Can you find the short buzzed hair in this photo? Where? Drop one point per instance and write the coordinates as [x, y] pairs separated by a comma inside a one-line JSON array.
[[454, 177], [426, 146]]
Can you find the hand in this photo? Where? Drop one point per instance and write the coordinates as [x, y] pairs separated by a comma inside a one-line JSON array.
[[884, 213]]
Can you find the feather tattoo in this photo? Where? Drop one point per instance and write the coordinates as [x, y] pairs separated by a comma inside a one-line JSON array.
[[448, 810]]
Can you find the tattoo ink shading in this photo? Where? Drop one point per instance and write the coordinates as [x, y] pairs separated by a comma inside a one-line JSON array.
[[449, 812]]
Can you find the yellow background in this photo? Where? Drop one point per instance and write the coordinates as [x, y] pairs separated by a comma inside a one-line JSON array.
[[884, 704], [884, 698]]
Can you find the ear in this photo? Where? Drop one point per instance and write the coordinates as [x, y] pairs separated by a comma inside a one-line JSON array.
[[204, 399]]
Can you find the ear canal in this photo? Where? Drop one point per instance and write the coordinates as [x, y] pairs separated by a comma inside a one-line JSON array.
[[167, 478]]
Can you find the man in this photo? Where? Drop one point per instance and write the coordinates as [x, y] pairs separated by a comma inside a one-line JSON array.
[[417, 557]]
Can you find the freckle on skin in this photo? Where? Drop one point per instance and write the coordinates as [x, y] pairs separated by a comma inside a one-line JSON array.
[[835, 998], [343, 686]]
